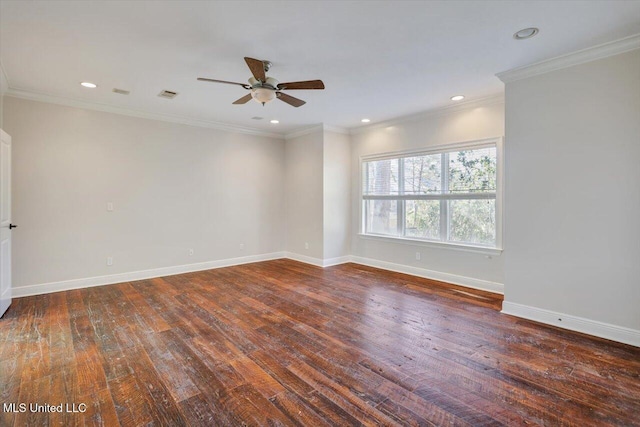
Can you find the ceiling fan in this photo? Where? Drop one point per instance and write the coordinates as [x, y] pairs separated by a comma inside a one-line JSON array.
[[264, 89]]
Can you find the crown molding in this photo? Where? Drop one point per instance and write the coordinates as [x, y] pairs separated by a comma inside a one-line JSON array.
[[575, 58], [459, 106], [304, 131], [70, 102], [314, 129], [335, 129]]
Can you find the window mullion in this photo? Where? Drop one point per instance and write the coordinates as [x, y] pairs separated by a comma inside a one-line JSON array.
[[400, 204], [365, 208], [444, 204], [438, 196], [365, 213]]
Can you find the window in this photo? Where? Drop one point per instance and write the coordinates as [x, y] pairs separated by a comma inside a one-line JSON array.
[[448, 195]]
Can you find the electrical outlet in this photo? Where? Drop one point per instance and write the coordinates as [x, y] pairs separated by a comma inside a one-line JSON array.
[[109, 206], [418, 255], [191, 252], [109, 261], [306, 245], [242, 246]]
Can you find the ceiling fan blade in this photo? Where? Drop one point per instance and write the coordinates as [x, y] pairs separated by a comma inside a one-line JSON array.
[[244, 85], [257, 68], [308, 84], [290, 99], [243, 100]]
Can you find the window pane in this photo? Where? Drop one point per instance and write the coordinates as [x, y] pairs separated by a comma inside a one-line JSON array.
[[473, 221], [382, 217], [472, 170], [382, 177], [422, 174], [422, 219]]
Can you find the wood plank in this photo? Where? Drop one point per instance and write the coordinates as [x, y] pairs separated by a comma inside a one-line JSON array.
[[10, 381], [163, 407], [299, 411], [34, 394], [168, 368], [144, 315], [247, 404], [112, 337], [37, 362], [200, 411], [88, 360], [132, 408], [100, 409], [360, 409], [259, 379]]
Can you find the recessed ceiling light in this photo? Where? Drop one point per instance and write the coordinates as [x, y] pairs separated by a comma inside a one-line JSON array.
[[365, 120], [275, 122], [526, 33], [89, 85], [457, 98]]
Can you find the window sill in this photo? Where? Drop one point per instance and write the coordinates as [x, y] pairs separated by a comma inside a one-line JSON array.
[[433, 244]]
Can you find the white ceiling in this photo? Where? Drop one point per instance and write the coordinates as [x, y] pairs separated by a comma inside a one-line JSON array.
[[378, 60]]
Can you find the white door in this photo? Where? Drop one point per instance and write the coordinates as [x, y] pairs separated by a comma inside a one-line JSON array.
[[5, 221]]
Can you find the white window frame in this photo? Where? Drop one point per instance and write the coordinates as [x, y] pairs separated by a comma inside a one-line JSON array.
[[439, 149]]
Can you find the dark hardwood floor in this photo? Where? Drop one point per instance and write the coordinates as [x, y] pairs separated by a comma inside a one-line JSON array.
[[285, 343]]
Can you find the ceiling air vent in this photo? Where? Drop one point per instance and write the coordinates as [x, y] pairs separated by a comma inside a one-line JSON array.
[[121, 91], [168, 94], [256, 118]]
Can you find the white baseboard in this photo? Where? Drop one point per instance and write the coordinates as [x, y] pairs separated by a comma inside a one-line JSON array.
[[469, 282], [304, 258], [45, 288], [65, 285], [328, 262], [574, 323]]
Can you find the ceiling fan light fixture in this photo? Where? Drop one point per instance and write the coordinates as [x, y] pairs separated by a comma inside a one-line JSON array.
[[263, 95]]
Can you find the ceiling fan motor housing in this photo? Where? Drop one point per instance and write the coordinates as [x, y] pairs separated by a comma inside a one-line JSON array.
[[270, 83]]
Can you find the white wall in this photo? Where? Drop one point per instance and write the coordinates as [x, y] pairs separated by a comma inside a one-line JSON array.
[[337, 194], [4, 86], [174, 187], [318, 195], [572, 232], [304, 194], [457, 125]]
